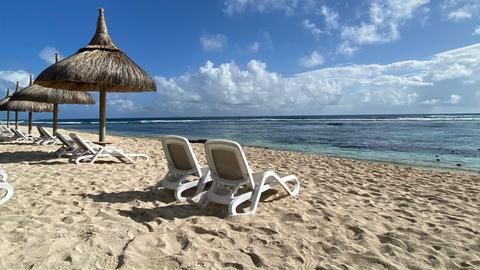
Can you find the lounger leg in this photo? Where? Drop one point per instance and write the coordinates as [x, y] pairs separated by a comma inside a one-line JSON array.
[[9, 194], [203, 201], [199, 184]]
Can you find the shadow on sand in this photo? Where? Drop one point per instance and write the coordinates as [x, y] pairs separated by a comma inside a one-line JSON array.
[[25, 156], [171, 210]]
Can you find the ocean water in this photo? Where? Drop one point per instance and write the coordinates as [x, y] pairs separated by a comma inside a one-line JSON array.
[[453, 139]]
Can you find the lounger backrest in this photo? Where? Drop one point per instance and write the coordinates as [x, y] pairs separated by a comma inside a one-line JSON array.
[[81, 143], [180, 155], [40, 131], [17, 133], [227, 161], [44, 132], [63, 139]]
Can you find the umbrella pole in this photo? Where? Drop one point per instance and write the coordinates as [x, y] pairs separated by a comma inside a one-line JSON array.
[[16, 120], [55, 117], [30, 114], [8, 119], [102, 129]]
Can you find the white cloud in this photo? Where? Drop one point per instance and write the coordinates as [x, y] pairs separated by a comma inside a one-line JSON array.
[[454, 99], [48, 55], [123, 105], [312, 60], [476, 31], [397, 87], [459, 15], [213, 42], [254, 47], [385, 19], [331, 17], [431, 101], [314, 29], [460, 10], [290, 7], [346, 48], [8, 79]]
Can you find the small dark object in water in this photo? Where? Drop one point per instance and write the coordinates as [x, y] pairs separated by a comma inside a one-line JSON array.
[[436, 155], [453, 151], [459, 165], [438, 160], [334, 124], [197, 141]]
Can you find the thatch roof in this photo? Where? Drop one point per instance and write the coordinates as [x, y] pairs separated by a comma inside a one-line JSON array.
[[56, 96], [26, 106], [99, 65], [3, 102]]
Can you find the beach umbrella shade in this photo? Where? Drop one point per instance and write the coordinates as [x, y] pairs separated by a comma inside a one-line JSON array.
[[7, 108], [100, 66], [3, 101], [39, 93], [25, 106]]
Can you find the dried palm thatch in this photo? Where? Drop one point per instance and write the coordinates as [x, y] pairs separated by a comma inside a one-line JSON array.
[[98, 66], [27, 106], [39, 93], [3, 102]]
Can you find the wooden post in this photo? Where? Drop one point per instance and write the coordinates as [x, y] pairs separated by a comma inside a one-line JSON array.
[[55, 117], [16, 120], [55, 105], [102, 129], [8, 119], [8, 112], [16, 113], [30, 115]]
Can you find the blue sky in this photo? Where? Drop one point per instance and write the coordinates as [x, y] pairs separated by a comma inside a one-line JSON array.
[[263, 57]]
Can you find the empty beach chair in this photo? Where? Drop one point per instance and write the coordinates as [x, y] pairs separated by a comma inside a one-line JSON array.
[[45, 138], [6, 190], [231, 174], [182, 164], [91, 152], [68, 146], [19, 136], [6, 132]]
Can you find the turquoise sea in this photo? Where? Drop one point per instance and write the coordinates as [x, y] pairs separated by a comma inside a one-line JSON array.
[[449, 141]]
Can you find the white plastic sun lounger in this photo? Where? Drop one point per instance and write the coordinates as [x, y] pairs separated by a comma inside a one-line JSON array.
[[19, 136], [230, 172], [45, 138], [182, 164], [4, 185], [68, 146], [6, 132], [91, 152]]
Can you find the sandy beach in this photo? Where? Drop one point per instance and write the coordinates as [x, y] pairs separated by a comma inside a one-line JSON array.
[[349, 215]]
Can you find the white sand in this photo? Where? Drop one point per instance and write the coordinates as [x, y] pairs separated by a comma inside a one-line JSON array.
[[349, 215]]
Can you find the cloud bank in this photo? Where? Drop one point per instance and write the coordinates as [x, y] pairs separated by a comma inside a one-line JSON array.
[[446, 81]]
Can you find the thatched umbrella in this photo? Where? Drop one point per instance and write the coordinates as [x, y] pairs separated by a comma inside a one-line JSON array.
[[26, 106], [2, 102], [39, 93], [101, 66]]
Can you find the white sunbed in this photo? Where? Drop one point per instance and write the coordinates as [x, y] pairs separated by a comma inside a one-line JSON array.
[[45, 138], [5, 132], [4, 185], [68, 146], [19, 136], [231, 173], [88, 151], [182, 164]]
